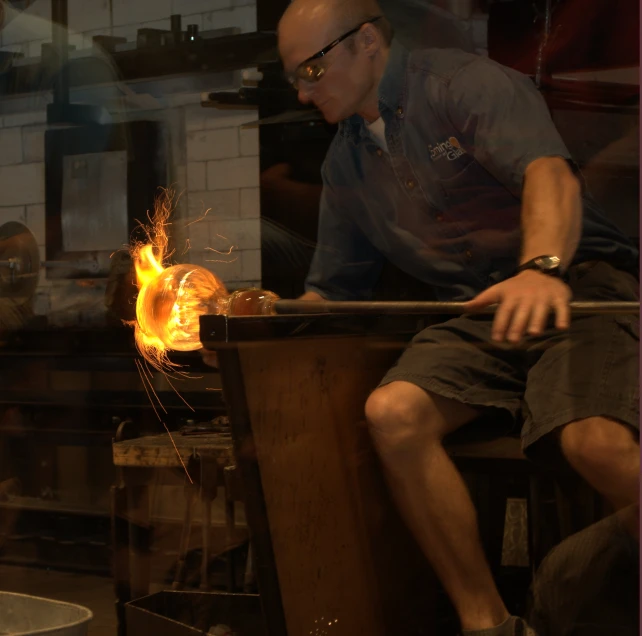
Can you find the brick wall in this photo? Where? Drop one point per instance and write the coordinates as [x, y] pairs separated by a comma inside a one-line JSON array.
[[213, 161]]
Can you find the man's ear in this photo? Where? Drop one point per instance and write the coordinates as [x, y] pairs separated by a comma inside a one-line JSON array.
[[371, 39]]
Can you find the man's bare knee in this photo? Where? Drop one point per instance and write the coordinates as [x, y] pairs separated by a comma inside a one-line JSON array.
[[597, 445], [401, 413]]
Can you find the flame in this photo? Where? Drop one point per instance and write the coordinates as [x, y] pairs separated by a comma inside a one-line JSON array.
[[170, 297]]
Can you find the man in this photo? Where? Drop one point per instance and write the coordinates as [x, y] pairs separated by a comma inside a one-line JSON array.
[[449, 165]]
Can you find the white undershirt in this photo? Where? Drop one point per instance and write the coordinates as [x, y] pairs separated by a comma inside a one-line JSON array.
[[377, 130]]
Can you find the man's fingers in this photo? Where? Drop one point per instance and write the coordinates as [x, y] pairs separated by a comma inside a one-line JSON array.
[[502, 319], [520, 319], [562, 313], [539, 316]]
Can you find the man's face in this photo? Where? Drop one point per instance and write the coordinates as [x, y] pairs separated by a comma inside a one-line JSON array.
[[346, 72]]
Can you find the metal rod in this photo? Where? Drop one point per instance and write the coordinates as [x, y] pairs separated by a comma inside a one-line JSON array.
[[427, 308], [60, 42]]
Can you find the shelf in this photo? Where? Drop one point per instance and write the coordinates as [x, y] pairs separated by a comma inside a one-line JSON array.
[[44, 505], [213, 55]]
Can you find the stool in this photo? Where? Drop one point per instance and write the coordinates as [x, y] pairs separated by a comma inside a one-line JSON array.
[[509, 474], [209, 459]]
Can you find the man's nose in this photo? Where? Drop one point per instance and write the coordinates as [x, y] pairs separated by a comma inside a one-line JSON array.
[[304, 94]]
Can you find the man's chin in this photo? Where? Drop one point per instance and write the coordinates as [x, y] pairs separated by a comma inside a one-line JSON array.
[[332, 116]]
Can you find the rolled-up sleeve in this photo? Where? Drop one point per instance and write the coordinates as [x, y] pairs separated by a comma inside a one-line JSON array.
[[346, 266], [503, 119]]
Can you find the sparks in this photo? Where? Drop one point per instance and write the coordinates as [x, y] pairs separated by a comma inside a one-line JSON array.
[[170, 297]]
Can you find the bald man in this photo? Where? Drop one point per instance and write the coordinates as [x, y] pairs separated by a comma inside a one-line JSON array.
[[449, 166]]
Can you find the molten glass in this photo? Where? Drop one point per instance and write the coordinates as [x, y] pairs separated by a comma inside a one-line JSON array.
[[168, 308], [171, 299], [249, 302]]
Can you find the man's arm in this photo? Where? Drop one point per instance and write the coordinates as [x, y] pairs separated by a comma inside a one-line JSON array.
[[551, 225], [551, 210], [505, 123]]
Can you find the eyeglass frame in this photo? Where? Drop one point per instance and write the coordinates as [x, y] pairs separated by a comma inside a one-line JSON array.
[[292, 77]]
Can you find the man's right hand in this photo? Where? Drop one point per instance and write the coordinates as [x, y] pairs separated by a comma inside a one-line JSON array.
[[311, 296]]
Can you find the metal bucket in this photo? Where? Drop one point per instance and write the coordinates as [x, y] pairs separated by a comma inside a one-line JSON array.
[[23, 615]]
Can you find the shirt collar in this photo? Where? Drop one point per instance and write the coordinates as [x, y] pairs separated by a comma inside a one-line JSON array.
[[390, 92]]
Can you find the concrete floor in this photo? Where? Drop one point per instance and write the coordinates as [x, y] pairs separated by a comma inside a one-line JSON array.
[[93, 592]]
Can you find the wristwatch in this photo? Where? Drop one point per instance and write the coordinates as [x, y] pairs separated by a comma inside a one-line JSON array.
[[549, 265]]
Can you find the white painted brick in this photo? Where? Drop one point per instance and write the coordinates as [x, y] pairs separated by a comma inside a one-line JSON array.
[[32, 24], [221, 204], [185, 7], [215, 118], [179, 180], [128, 12], [16, 213], [10, 146], [36, 223], [86, 15], [13, 35], [195, 18], [104, 31], [78, 41], [242, 284], [40, 9], [196, 181], [212, 144], [228, 174], [250, 203], [241, 17], [199, 237], [22, 47], [24, 119], [251, 264], [164, 24], [241, 235], [33, 143], [35, 48], [22, 184], [249, 138], [244, 3], [192, 256], [195, 116], [180, 99], [227, 268], [127, 31]]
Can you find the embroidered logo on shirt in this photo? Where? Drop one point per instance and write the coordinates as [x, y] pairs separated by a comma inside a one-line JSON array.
[[450, 149]]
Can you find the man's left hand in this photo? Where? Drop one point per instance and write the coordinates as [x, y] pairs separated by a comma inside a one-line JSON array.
[[525, 302]]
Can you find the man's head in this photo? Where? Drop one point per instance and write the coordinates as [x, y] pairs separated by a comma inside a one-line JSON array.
[[344, 80]]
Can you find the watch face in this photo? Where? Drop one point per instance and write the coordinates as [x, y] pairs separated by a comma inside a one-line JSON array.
[[547, 262]]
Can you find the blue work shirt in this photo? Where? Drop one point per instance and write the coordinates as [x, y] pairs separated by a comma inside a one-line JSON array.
[[443, 204]]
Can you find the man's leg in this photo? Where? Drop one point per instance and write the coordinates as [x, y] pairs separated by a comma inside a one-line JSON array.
[[607, 455], [407, 425]]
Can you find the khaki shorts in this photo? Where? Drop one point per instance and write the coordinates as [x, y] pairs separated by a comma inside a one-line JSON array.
[[545, 382]]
